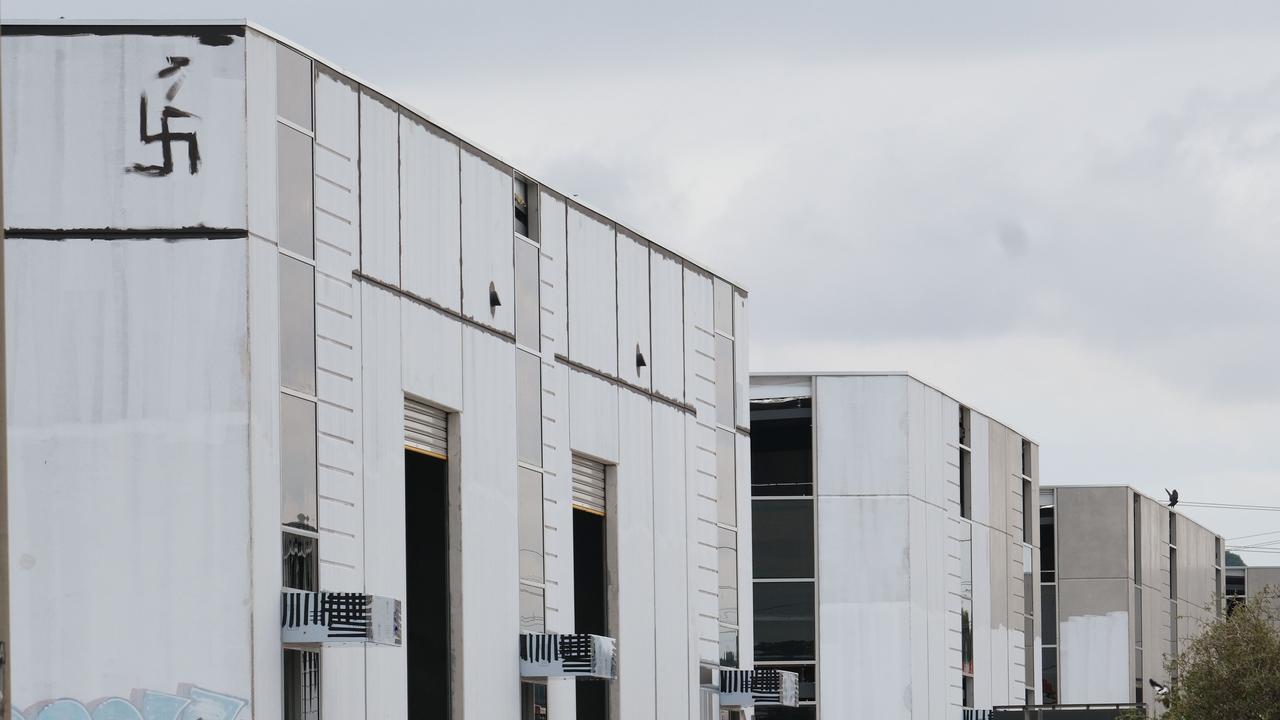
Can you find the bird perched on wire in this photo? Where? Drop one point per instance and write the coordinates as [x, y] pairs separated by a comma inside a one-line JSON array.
[[1173, 497], [1161, 690]]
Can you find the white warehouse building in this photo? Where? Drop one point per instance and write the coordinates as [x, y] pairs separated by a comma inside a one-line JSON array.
[[318, 410], [894, 562]]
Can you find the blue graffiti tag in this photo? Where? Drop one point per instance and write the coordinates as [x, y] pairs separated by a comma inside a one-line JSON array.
[[198, 705]]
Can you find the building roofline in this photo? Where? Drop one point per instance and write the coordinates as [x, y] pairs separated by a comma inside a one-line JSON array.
[[888, 373], [621, 226], [1136, 491]]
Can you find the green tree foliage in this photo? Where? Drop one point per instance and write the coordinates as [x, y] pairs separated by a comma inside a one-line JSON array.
[[1231, 670]]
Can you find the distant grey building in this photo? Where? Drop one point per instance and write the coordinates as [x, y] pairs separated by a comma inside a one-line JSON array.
[[1245, 581], [1124, 581]]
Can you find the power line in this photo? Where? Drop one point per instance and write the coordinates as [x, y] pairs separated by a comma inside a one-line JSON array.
[[1246, 537], [1230, 506]]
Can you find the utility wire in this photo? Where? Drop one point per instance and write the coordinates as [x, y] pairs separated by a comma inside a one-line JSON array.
[[1246, 537], [1230, 506]]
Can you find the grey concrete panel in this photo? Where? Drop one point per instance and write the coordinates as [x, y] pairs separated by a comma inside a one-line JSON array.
[[1092, 528]]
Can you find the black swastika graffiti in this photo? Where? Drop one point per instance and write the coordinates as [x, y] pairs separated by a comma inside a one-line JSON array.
[[167, 137]]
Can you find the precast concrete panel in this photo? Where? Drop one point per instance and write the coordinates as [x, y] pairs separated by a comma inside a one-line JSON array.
[[379, 189], [432, 355], [260, 134], [741, 366], [340, 434], [85, 143], [557, 488], [666, 300], [386, 678], [593, 416], [699, 346], [864, 653], [1092, 533], [951, 455], [593, 300], [488, 229], [633, 521], [703, 562], [984, 616], [998, 476], [338, 361], [860, 430], [264, 468], [430, 215], [670, 564], [746, 599], [998, 545], [490, 610], [557, 491], [633, 310], [128, 439], [936, 581], [555, 304], [1094, 640], [918, 589], [981, 492]]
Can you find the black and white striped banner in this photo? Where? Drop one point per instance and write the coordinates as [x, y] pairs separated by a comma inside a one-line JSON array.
[[566, 655], [333, 617]]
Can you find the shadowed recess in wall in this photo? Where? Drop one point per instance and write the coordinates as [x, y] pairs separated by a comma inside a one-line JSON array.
[[198, 704]]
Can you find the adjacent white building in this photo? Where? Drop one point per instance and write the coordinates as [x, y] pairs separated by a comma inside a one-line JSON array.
[[273, 333], [895, 540]]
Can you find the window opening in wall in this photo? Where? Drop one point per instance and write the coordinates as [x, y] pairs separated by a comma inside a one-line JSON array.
[[524, 206], [1048, 538], [1026, 458], [784, 621], [533, 701], [1028, 516], [1137, 539], [298, 499], [966, 602], [301, 684], [1234, 588], [966, 472], [726, 477], [295, 188], [590, 601], [782, 447], [728, 564], [1048, 600], [528, 305], [590, 575], [426, 506], [297, 325], [301, 562]]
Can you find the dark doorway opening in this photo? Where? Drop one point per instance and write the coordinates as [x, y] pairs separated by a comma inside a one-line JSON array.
[[590, 603], [426, 526]]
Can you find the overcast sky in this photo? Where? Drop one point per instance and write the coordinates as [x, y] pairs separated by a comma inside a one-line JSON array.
[[1065, 214]]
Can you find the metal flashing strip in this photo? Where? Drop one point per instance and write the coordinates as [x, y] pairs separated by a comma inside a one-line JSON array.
[[683, 407], [511, 338], [209, 34], [471, 322], [193, 232]]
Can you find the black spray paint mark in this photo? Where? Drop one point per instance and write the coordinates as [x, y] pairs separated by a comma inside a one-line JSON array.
[[176, 63], [216, 40]]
